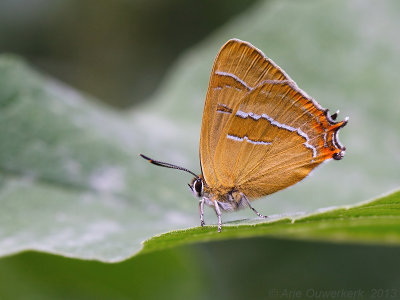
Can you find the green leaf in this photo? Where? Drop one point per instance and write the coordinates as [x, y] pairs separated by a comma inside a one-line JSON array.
[[374, 222], [71, 181]]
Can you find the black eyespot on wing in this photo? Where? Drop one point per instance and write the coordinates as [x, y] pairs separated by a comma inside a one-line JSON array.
[[338, 155]]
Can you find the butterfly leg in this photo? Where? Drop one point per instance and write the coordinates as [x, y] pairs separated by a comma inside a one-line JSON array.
[[248, 203], [218, 212], [201, 210]]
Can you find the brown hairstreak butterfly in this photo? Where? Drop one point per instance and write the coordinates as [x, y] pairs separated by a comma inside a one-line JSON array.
[[260, 132]]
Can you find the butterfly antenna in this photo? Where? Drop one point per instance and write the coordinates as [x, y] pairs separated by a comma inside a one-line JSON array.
[[167, 165]]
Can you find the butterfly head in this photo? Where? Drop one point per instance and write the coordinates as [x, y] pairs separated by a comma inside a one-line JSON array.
[[197, 187]]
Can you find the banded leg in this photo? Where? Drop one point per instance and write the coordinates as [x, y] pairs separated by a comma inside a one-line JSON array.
[[201, 211], [248, 203], [218, 212]]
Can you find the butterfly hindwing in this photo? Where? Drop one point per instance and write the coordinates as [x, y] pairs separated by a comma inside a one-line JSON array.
[[274, 138]]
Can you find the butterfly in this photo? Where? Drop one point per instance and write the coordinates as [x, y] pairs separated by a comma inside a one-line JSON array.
[[260, 132]]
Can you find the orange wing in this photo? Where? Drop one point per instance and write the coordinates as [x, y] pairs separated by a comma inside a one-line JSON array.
[[260, 132], [274, 138], [238, 68]]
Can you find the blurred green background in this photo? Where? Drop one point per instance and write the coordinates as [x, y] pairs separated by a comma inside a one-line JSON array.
[[71, 183], [118, 51]]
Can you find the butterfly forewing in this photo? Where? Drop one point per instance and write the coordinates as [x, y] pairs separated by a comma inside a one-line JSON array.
[[237, 69], [216, 114]]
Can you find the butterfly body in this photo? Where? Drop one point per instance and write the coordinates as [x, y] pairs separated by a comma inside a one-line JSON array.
[[227, 198], [260, 132]]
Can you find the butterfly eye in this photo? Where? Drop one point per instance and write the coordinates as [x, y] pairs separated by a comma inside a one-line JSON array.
[[198, 187]]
